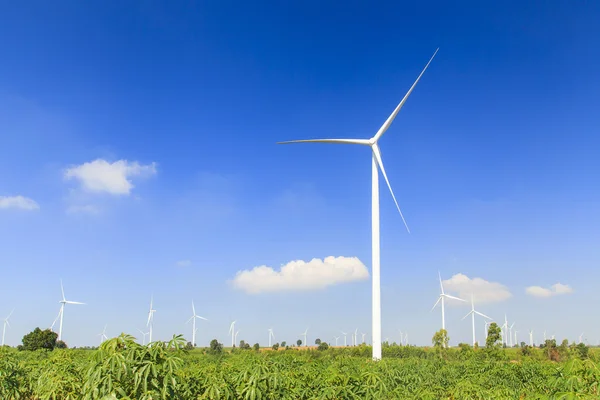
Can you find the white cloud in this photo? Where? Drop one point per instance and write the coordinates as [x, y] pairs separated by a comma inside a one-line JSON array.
[[114, 178], [86, 209], [184, 263], [301, 275], [19, 202], [482, 290], [554, 290]]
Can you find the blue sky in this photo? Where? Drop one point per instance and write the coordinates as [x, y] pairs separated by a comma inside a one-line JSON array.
[[493, 160]]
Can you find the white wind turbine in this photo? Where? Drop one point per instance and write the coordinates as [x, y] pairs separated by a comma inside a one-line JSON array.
[[504, 331], [356, 337], [531, 338], [441, 298], [305, 333], [336, 340], [232, 333], [510, 335], [344, 333], [363, 337], [143, 336], [102, 335], [376, 164], [63, 302], [516, 341], [472, 314], [238, 331], [150, 323], [193, 319], [271, 335], [580, 338], [406, 338], [6, 323]]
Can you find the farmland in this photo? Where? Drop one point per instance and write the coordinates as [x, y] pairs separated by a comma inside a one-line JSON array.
[[121, 368]]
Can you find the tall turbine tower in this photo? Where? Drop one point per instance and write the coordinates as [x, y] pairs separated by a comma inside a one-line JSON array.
[[193, 319], [336, 340], [472, 314], [232, 333], [63, 302], [150, 323], [441, 298], [5, 324], [344, 333], [376, 164]]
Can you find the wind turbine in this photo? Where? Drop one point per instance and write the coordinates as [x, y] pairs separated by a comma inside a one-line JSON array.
[[336, 340], [504, 331], [193, 319], [406, 338], [271, 335], [356, 337], [363, 337], [472, 314], [376, 164], [63, 302], [580, 338], [441, 298], [305, 333], [150, 323], [516, 341], [238, 331], [510, 336], [344, 333], [232, 333], [5, 324], [102, 335], [143, 336], [531, 338]]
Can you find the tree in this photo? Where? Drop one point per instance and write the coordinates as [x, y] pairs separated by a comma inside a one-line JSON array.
[[283, 344], [39, 339], [299, 342], [440, 339], [215, 347], [256, 346], [242, 344], [317, 341], [189, 346], [276, 346], [493, 336], [323, 346], [60, 344]]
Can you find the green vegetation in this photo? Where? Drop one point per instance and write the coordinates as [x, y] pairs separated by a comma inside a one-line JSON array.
[[123, 369]]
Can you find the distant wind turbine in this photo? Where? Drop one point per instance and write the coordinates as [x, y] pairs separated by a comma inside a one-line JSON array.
[[336, 340], [531, 338], [304, 334], [150, 323], [472, 314], [441, 298], [143, 336], [271, 336], [102, 335], [376, 164], [193, 319], [363, 337], [238, 331], [344, 333], [63, 302], [580, 338], [232, 333], [6, 323]]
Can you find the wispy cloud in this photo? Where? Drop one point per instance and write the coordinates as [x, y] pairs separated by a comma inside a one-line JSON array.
[[483, 291], [114, 178], [301, 275], [554, 290], [184, 263], [18, 202]]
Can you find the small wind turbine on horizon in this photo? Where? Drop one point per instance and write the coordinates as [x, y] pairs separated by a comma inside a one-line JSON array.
[[504, 331], [193, 319], [271, 335], [238, 331], [580, 338], [304, 334], [363, 337], [102, 335], [441, 298], [356, 337], [143, 336], [64, 302], [336, 340], [344, 333], [232, 333], [376, 165], [150, 323], [531, 337], [472, 314], [6, 323]]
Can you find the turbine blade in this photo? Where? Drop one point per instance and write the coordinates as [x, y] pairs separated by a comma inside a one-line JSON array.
[[337, 141], [197, 316], [73, 302], [193, 308], [188, 321], [7, 323], [441, 286], [454, 298], [62, 290], [11, 313], [436, 303], [390, 119], [149, 317], [377, 155], [483, 315], [469, 313]]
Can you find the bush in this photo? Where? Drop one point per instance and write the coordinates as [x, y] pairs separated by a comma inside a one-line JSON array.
[[323, 346]]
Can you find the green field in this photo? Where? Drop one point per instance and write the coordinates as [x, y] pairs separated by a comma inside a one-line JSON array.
[[123, 369]]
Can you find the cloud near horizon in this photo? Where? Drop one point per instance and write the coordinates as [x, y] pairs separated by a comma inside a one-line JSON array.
[[114, 178], [301, 275], [19, 202], [554, 290], [483, 291]]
